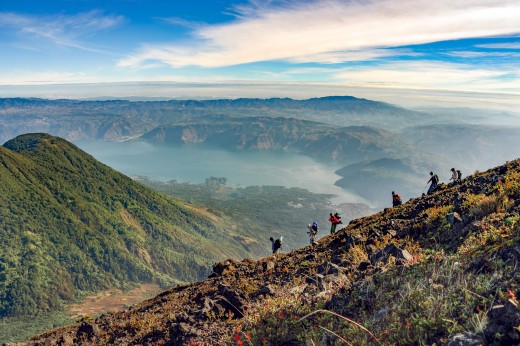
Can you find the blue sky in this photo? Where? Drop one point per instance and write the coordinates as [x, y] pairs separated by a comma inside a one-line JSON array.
[[470, 46]]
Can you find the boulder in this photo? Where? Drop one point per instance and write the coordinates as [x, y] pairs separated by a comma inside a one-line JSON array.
[[221, 268], [453, 218], [65, 340], [87, 330], [466, 339], [363, 266], [267, 290], [390, 250], [503, 321], [268, 266], [232, 300], [330, 268]]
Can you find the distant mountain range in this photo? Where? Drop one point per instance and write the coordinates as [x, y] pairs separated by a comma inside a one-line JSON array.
[[340, 129], [74, 119]]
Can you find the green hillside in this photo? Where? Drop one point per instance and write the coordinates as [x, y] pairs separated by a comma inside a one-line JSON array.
[[71, 225]]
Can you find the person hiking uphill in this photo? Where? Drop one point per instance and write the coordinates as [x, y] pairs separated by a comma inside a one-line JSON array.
[[459, 177], [338, 217], [276, 244], [313, 230], [333, 223], [454, 176], [435, 180], [396, 199]]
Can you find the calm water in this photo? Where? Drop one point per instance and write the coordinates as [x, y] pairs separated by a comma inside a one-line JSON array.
[[194, 164]]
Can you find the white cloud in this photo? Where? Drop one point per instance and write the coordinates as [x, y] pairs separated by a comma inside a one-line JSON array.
[[61, 29], [359, 55], [317, 30]]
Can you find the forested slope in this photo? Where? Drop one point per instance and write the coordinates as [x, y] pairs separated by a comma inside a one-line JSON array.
[[70, 225]]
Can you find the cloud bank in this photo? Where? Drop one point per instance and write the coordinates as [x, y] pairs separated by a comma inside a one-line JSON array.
[[332, 31]]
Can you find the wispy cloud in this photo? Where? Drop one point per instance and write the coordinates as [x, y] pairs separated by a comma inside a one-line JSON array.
[[433, 75], [507, 45], [480, 54], [61, 29], [183, 22], [318, 30]]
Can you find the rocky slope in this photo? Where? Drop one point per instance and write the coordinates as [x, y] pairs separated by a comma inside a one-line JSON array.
[[440, 269]]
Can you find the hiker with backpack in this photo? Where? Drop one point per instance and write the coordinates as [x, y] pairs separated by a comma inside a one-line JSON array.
[[313, 230], [454, 175], [396, 199], [459, 177], [338, 217], [333, 223], [434, 179], [276, 244]]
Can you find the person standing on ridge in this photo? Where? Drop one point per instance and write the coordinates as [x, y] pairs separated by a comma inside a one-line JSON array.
[[276, 244], [333, 223], [396, 199], [434, 180], [313, 230]]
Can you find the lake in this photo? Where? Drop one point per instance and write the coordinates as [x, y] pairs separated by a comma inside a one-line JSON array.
[[194, 164]]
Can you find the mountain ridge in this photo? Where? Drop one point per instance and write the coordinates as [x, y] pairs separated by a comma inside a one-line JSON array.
[[438, 269]]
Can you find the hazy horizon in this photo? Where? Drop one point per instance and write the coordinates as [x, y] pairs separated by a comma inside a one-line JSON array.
[[184, 91]]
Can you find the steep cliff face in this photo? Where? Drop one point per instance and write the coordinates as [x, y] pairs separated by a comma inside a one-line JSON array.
[[438, 269]]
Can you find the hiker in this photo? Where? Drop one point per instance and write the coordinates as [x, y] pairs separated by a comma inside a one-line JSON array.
[[396, 199], [276, 244], [338, 217], [435, 180], [333, 223], [459, 177], [313, 230], [454, 175]]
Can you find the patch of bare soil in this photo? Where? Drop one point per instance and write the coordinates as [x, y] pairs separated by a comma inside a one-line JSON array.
[[113, 300]]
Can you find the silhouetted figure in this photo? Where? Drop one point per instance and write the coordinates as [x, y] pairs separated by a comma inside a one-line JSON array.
[[434, 179], [276, 244], [396, 199]]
